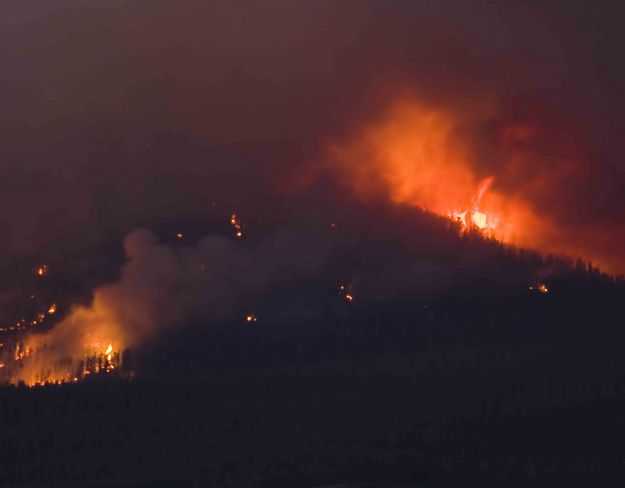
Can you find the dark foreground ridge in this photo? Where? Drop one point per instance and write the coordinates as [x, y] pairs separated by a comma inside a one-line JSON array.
[[524, 390]]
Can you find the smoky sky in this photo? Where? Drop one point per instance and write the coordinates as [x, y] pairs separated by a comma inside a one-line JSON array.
[[115, 114]]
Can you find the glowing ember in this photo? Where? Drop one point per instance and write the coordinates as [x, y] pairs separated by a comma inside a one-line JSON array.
[[344, 291], [237, 225], [251, 318], [52, 309], [179, 235], [42, 270], [539, 288], [22, 352]]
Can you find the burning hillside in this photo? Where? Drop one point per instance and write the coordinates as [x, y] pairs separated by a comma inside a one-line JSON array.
[[287, 272], [403, 221], [416, 155], [405, 108], [415, 159]]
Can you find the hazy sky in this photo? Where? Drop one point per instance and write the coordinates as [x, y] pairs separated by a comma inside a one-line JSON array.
[[118, 113]]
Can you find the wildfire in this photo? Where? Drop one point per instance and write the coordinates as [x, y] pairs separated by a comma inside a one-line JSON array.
[[22, 352], [474, 218], [425, 156], [89, 340], [416, 155], [85, 343]]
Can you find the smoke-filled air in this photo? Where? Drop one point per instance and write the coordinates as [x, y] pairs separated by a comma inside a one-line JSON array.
[[167, 164]]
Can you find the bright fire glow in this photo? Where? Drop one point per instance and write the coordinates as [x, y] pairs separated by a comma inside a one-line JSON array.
[[87, 342], [474, 218], [417, 155]]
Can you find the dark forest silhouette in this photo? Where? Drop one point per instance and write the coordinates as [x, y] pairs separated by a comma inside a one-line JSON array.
[[461, 386]]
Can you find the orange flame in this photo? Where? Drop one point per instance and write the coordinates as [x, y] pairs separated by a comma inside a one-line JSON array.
[[416, 155], [84, 343], [474, 218]]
